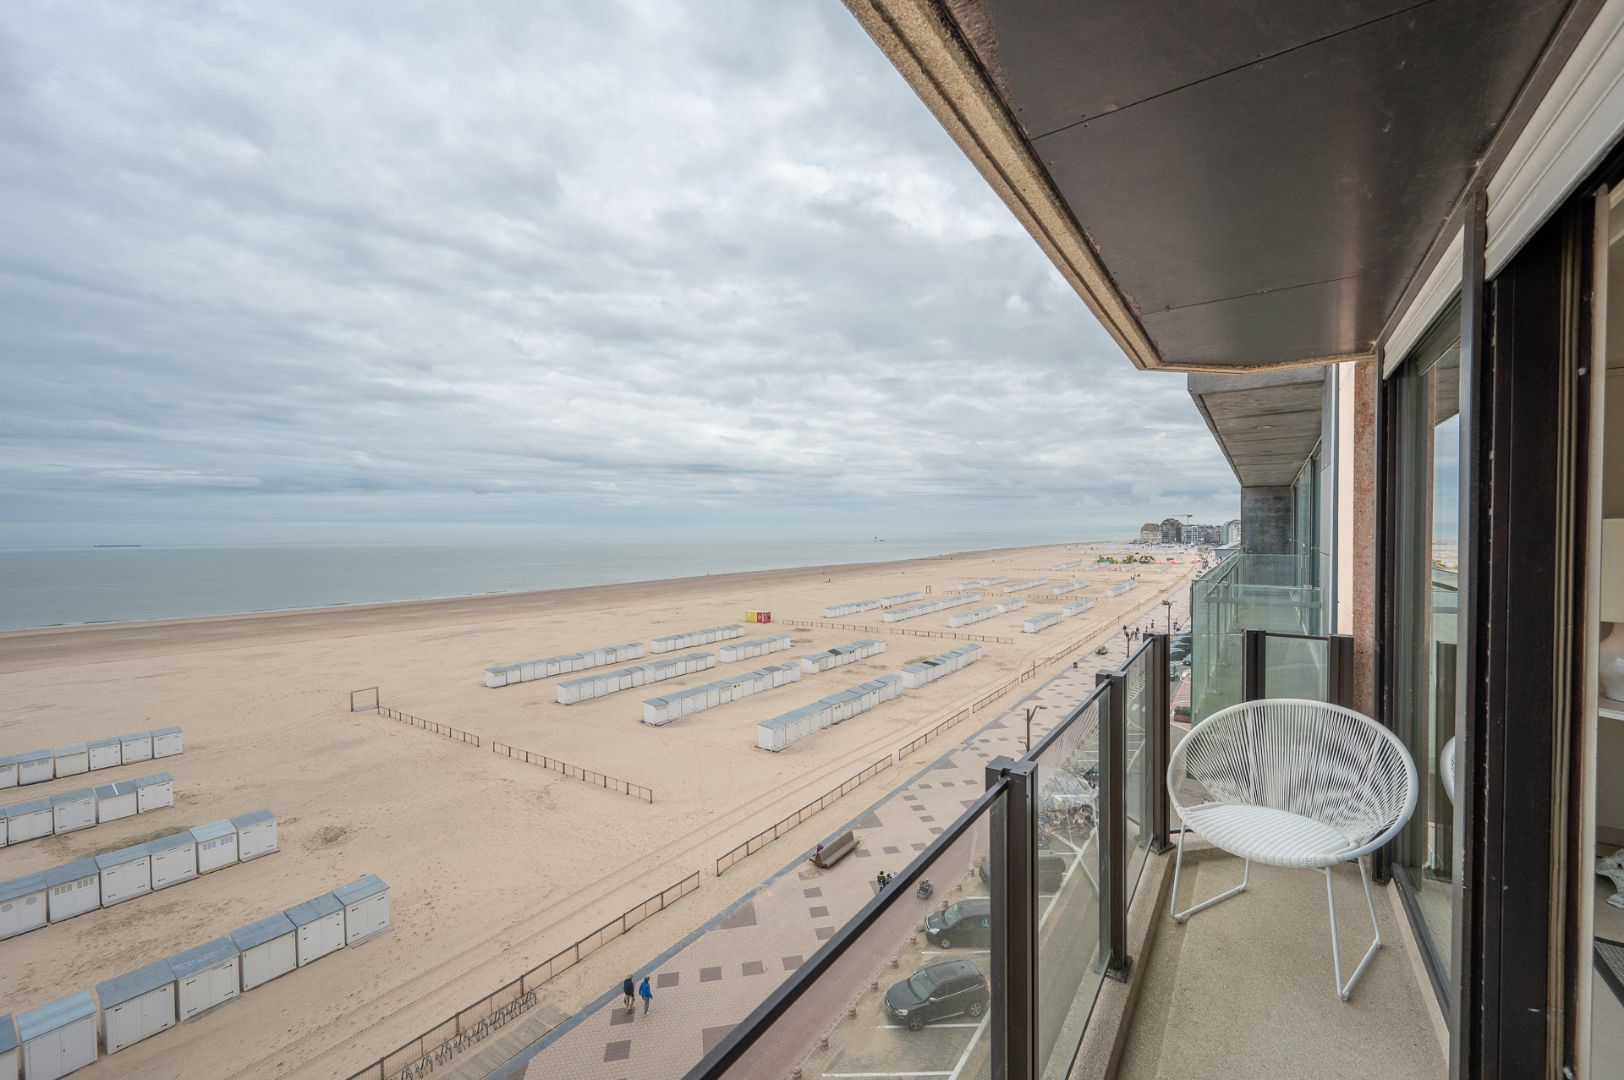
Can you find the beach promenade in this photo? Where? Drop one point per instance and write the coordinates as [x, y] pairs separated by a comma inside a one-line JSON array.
[[710, 980]]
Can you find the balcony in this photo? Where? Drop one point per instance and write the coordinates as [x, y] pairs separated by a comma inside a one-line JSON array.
[[1244, 989], [1273, 593], [1044, 949]]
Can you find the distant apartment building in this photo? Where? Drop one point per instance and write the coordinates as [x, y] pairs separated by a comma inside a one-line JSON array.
[[1150, 533], [1232, 533], [1172, 530]]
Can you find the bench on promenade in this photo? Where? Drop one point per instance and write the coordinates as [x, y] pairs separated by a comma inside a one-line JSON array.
[[835, 850]]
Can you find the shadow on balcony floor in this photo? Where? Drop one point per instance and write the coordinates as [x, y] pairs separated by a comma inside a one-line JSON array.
[[1244, 989]]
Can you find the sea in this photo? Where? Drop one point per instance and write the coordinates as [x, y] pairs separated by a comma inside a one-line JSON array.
[[76, 586]]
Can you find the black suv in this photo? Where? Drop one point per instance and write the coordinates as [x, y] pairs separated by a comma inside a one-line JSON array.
[[967, 922], [1051, 871], [954, 988]]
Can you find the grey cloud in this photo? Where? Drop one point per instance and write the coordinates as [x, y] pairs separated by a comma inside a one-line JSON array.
[[578, 266]]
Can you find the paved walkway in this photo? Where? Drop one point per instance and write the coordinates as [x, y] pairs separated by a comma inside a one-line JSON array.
[[711, 980]]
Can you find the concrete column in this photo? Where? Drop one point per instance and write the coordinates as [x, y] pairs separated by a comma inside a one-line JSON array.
[[1362, 553], [1266, 520]]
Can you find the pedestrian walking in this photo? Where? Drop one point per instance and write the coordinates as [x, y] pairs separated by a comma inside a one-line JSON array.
[[646, 993], [628, 989]]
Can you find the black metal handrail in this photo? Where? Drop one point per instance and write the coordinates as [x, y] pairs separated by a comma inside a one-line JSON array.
[[749, 1030], [1013, 858], [791, 820]]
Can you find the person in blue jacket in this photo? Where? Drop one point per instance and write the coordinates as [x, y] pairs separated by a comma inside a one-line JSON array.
[[646, 994]]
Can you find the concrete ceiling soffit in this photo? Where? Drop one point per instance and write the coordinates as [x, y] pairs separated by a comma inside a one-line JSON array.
[[928, 52]]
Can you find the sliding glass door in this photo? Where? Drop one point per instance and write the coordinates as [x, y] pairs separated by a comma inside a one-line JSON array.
[[1425, 568]]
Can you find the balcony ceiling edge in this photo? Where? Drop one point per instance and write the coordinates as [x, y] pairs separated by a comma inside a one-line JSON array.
[[1228, 193], [926, 49], [1266, 423]]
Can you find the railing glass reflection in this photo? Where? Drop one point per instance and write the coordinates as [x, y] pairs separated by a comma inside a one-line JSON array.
[[904, 989]]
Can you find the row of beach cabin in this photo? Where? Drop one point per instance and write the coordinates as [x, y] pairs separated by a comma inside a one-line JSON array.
[[548, 666], [38, 766], [575, 691], [687, 640], [749, 649], [60, 1037], [980, 583], [63, 892], [841, 655], [939, 667], [1121, 587], [84, 809], [1067, 565], [1022, 586], [660, 711], [779, 731], [930, 607], [855, 606], [1069, 587], [990, 611], [1044, 619]]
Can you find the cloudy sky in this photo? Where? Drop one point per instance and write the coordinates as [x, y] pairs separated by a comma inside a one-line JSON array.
[[304, 270]]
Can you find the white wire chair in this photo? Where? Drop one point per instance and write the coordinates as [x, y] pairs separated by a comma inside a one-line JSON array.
[[1293, 783]]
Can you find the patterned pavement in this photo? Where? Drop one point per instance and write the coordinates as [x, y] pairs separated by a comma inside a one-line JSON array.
[[715, 977]]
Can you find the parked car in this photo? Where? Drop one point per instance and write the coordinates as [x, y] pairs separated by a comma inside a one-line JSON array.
[[1051, 871], [1179, 648], [937, 992], [965, 922]]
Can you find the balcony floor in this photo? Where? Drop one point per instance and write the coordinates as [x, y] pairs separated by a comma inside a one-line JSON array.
[[1244, 989]]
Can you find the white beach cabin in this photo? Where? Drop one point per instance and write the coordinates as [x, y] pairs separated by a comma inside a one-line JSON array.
[[366, 908], [216, 845], [136, 1006], [320, 926], [256, 834], [8, 773], [73, 810], [8, 1048], [268, 948], [125, 874], [35, 767], [29, 821], [58, 1038], [72, 889], [72, 759], [114, 801], [174, 859], [105, 753], [166, 742], [135, 747], [22, 905], [153, 792], [206, 977]]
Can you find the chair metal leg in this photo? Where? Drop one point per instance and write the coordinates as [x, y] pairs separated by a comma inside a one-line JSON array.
[[1178, 866], [1344, 991]]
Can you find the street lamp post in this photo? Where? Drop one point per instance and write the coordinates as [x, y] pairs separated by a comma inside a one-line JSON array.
[[1030, 711], [1168, 604]]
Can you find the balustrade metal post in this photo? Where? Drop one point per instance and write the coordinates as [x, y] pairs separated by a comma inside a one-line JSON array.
[[1254, 646], [1161, 715], [1112, 821], [1014, 944], [1339, 670]]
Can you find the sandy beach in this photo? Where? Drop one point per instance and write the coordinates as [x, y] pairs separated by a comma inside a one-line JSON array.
[[493, 864]]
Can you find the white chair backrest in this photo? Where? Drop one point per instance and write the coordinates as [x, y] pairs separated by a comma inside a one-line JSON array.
[[1314, 759]]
